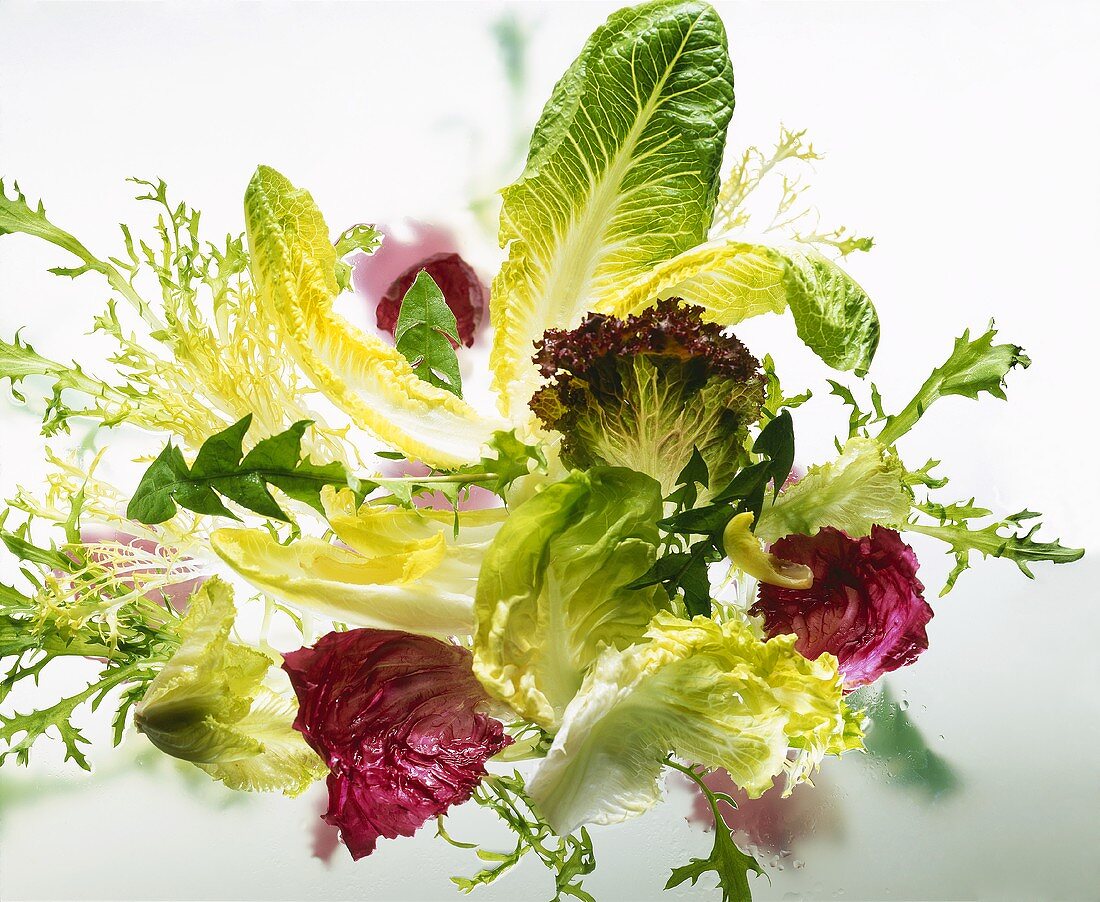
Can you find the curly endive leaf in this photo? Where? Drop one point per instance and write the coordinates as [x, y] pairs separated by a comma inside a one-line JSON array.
[[622, 174], [294, 267], [974, 367]]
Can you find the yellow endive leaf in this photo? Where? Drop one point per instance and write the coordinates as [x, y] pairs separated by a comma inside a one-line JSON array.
[[746, 553], [421, 591], [294, 268]]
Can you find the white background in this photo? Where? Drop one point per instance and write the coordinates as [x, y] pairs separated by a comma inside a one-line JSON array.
[[964, 137]]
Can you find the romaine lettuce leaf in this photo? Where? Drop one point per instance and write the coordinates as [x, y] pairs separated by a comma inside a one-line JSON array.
[[210, 705], [294, 268], [551, 591], [622, 174], [863, 487], [733, 280], [710, 693]]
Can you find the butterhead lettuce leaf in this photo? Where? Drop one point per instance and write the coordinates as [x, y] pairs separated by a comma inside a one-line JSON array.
[[551, 592], [711, 693], [622, 174], [212, 705], [863, 487]]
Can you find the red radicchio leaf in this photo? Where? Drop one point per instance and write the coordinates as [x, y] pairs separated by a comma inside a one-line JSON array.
[[866, 604], [461, 288], [395, 717]]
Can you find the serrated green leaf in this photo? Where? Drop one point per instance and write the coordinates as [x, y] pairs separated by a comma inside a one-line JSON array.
[[222, 469], [974, 367]]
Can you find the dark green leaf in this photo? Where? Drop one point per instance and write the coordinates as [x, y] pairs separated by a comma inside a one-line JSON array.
[[222, 469], [427, 334], [726, 861]]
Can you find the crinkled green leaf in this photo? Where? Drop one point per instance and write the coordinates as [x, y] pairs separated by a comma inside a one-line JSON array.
[[709, 692], [832, 314], [552, 589], [864, 486]]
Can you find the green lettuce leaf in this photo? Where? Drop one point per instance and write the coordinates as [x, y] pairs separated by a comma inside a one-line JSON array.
[[864, 486], [708, 692], [832, 314], [974, 367], [605, 197], [552, 589], [210, 705]]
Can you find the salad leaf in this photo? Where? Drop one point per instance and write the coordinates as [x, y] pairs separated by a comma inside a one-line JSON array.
[[832, 314], [210, 705], [424, 332], [732, 280], [1008, 538], [744, 551], [552, 589], [604, 198], [571, 858], [222, 468], [293, 266], [708, 692], [974, 367], [403, 569], [726, 861], [864, 486], [361, 237]]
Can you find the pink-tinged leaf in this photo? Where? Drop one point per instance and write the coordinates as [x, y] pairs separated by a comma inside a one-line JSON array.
[[866, 605], [397, 719], [462, 290]]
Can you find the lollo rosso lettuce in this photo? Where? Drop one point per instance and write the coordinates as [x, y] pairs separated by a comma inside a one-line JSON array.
[[399, 720], [552, 588], [866, 604], [645, 391]]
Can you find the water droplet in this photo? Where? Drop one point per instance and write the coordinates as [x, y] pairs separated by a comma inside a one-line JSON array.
[[904, 704], [799, 864]]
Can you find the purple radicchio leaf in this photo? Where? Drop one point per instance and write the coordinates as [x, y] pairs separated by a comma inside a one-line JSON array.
[[461, 287], [866, 605], [396, 718]]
